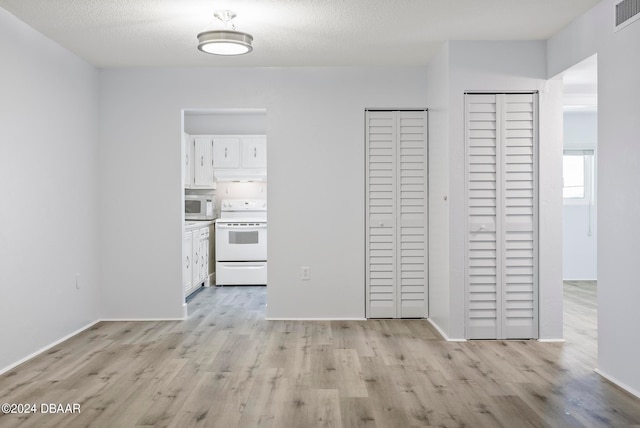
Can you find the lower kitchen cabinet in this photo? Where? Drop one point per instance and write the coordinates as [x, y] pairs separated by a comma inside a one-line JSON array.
[[187, 263], [195, 254]]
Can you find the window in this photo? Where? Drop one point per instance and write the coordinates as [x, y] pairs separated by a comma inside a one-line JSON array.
[[578, 173]]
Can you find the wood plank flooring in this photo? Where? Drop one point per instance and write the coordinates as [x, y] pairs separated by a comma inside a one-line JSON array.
[[225, 366]]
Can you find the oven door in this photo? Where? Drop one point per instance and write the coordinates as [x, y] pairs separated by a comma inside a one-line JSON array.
[[241, 241]]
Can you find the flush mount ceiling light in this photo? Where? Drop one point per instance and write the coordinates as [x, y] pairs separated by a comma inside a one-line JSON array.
[[225, 42]]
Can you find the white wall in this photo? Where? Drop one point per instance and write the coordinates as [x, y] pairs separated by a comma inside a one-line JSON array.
[[225, 122], [579, 233], [315, 152], [240, 190], [495, 66], [48, 220], [439, 169], [618, 190]]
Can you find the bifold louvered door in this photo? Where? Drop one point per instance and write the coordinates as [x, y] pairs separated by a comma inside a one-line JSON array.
[[396, 223], [502, 216]]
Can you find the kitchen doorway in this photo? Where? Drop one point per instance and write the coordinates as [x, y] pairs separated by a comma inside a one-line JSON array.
[[223, 158]]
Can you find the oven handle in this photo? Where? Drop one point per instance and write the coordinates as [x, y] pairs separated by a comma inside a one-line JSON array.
[[247, 228]]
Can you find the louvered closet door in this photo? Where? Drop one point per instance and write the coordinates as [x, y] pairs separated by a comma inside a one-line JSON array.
[[501, 257], [381, 215], [396, 214], [412, 253]]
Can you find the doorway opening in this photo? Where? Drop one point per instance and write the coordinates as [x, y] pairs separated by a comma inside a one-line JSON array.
[[580, 147], [223, 160]]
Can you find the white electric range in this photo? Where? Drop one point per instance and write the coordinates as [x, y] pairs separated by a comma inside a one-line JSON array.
[[241, 242]]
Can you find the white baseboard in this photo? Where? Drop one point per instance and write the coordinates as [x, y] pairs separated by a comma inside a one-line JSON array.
[[46, 348], [580, 279], [314, 319], [612, 379], [442, 333], [140, 319], [552, 340]]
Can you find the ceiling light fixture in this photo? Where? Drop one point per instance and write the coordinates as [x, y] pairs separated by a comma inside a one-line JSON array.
[[225, 42]]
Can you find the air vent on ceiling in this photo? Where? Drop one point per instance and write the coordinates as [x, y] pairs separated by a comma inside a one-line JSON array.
[[627, 11]]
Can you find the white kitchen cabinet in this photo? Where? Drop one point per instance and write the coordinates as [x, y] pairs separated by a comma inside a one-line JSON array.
[[186, 157], [195, 252], [501, 275], [254, 151], [226, 152], [396, 214], [240, 151], [204, 255], [187, 263], [202, 160]]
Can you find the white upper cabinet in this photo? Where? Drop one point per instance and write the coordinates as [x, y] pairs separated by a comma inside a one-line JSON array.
[[239, 157], [223, 157], [226, 152], [198, 162], [254, 151], [202, 160]]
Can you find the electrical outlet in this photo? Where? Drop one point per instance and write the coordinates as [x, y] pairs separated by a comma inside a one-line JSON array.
[[77, 281], [305, 273]]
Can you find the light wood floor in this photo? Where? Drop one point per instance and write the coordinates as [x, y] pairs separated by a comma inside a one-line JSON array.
[[227, 367]]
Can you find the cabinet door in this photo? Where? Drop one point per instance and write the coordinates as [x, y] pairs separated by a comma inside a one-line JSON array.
[[196, 258], [226, 152], [254, 151], [204, 259], [202, 160], [187, 148], [187, 264]]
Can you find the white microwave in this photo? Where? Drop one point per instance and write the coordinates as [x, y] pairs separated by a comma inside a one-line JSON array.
[[199, 207]]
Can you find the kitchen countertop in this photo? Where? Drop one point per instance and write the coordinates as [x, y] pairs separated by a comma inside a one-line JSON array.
[[196, 224]]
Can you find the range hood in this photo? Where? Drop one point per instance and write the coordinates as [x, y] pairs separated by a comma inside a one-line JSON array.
[[252, 174]]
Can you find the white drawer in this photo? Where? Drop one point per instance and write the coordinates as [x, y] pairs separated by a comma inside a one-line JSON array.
[[241, 273]]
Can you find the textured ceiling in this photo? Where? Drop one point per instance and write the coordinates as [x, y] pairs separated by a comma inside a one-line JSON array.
[[147, 33]]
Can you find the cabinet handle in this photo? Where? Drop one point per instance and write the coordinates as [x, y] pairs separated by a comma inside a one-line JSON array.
[[188, 262], [201, 160], [186, 162], [255, 152], [196, 257], [225, 152]]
